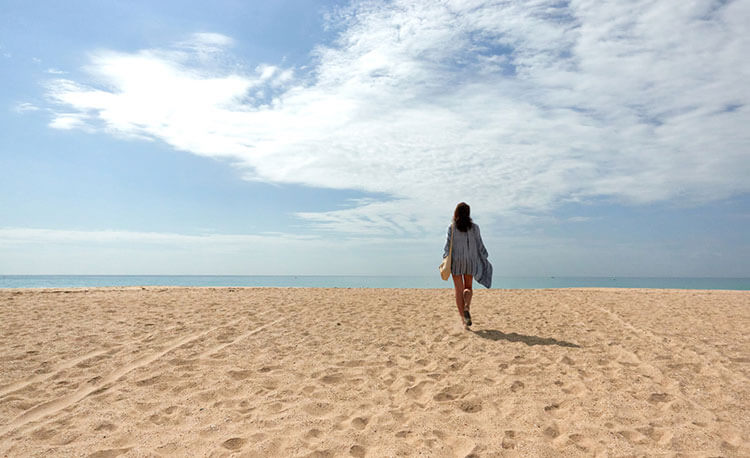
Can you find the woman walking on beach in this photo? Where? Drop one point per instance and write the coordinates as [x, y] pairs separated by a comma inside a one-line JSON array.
[[468, 259]]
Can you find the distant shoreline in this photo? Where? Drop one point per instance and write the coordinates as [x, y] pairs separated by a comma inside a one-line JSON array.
[[365, 281], [153, 288]]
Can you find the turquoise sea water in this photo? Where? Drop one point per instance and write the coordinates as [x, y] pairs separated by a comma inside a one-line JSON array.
[[89, 281]]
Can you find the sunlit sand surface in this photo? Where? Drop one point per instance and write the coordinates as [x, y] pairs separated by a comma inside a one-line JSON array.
[[358, 372]]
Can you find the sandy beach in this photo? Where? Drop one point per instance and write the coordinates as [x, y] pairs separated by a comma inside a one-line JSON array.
[[373, 372]]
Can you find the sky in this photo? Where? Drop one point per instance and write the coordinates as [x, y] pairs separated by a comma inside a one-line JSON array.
[[591, 138]]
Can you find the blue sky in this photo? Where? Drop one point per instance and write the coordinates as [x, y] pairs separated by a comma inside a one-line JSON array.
[[300, 137]]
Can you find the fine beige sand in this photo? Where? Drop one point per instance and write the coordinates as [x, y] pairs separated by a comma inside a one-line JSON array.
[[358, 372]]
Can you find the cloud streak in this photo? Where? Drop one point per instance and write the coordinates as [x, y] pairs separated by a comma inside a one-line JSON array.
[[515, 107], [43, 251], [25, 107], [15, 236]]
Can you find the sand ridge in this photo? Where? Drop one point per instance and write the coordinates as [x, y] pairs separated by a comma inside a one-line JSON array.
[[371, 372]]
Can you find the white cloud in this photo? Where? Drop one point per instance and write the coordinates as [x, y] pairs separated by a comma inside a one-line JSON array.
[[211, 39], [68, 121], [54, 71], [515, 107], [25, 107], [10, 235]]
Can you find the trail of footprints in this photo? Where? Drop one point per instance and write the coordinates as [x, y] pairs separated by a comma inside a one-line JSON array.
[[665, 410], [318, 404], [85, 361], [97, 384]]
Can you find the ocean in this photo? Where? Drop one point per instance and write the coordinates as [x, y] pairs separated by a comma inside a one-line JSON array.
[[355, 281]]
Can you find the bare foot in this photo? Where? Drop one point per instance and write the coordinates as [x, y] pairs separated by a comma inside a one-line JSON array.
[[467, 299]]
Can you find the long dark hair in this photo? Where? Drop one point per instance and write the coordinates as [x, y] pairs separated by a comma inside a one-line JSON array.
[[462, 217]]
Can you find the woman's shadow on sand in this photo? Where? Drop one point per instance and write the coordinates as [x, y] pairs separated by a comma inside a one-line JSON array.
[[493, 334]]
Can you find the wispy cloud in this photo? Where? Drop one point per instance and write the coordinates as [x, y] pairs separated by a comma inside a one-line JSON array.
[[25, 235], [67, 121], [208, 39], [25, 107], [37, 250], [11, 235], [580, 219], [515, 107]]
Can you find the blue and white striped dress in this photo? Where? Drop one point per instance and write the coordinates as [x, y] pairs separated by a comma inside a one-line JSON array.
[[469, 255]]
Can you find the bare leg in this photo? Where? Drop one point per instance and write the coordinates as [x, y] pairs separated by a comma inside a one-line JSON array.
[[458, 284], [467, 292]]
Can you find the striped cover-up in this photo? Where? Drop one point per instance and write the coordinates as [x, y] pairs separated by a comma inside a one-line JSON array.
[[469, 255]]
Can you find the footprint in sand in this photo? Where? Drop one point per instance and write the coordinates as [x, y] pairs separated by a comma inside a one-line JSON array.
[[144, 382], [656, 398], [416, 391], [358, 451], [552, 431], [258, 437], [240, 375], [105, 427], [448, 394], [509, 440], [360, 423], [43, 434], [165, 417], [574, 388], [731, 437], [581, 442], [158, 420], [456, 366], [650, 431], [234, 443], [275, 407], [332, 379], [551, 407], [634, 437], [313, 434], [317, 409], [461, 446], [567, 360], [109, 453], [557, 409], [516, 386], [472, 406]]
